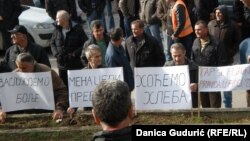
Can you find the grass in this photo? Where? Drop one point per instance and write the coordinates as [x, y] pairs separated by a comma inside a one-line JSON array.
[[42, 128], [50, 136]]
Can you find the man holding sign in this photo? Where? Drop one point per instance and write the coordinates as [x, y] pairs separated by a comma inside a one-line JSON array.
[[26, 63], [178, 53], [93, 53]]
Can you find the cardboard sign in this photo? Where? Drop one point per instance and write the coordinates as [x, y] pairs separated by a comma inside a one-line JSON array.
[[162, 88], [83, 82], [21, 91]]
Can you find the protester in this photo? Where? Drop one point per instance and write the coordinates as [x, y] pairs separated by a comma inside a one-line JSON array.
[[182, 26], [163, 11], [66, 44], [26, 63], [227, 37], [93, 54], [130, 10], [112, 109], [245, 58], [99, 38], [178, 52], [142, 49], [94, 10], [205, 54], [22, 43], [116, 56], [246, 21]]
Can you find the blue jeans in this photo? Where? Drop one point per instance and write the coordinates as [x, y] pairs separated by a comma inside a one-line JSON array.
[[227, 99], [167, 42], [127, 26], [94, 16], [111, 22], [154, 30]]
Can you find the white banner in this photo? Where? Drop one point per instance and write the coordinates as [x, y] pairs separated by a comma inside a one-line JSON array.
[[83, 82], [21, 91], [162, 88], [227, 78]]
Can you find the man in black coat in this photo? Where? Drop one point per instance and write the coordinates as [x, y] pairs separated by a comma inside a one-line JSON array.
[[178, 53], [19, 36], [143, 50], [66, 44]]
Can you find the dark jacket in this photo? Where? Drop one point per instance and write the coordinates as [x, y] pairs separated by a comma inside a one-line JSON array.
[[193, 74], [39, 54], [68, 51], [238, 11], [9, 10], [246, 24], [116, 57], [148, 54], [89, 42], [163, 13], [193, 69], [86, 6], [227, 36], [206, 57], [148, 11], [89, 67], [129, 8], [124, 134], [203, 8], [73, 12], [52, 6]]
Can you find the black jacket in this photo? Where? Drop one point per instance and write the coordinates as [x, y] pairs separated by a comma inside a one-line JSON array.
[[9, 10], [68, 51], [52, 6], [206, 57], [124, 134], [35, 50], [148, 54], [86, 6]]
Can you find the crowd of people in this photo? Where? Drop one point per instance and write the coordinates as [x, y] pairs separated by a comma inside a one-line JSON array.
[[156, 32]]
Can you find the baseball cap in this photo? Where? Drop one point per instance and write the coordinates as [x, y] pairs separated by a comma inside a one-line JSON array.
[[19, 28]]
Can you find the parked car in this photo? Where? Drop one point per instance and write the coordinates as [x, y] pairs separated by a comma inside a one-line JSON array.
[[38, 24]]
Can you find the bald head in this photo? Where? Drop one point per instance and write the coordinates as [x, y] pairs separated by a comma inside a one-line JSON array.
[[62, 18]]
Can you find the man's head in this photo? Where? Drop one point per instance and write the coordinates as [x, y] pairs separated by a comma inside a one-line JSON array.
[[116, 35], [112, 103], [201, 29], [25, 62], [97, 29], [178, 52], [62, 18], [137, 27], [93, 54], [221, 13], [19, 34]]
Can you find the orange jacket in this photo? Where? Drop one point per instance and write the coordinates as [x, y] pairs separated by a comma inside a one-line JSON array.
[[188, 26]]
